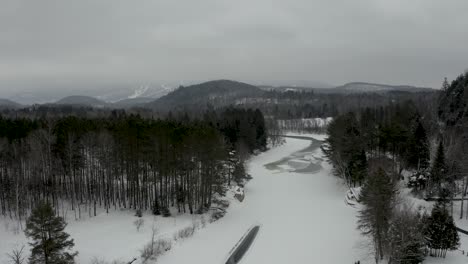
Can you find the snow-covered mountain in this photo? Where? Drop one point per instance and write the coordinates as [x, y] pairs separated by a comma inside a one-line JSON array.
[[106, 93], [142, 91]]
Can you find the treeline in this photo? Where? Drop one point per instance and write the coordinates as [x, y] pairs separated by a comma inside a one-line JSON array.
[[371, 148], [397, 133], [309, 125], [287, 105], [453, 117], [124, 161]]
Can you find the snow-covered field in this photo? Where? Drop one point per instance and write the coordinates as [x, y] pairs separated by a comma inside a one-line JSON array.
[[106, 237], [302, 214]]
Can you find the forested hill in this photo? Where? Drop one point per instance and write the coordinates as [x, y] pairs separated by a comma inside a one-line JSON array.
[[453, 118], [81, 100], [407, 144], [351, 88], [453, 102], [8, 104], [364, 87], [216, 93]]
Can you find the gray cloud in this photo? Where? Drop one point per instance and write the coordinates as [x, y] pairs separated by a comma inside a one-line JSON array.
[[119, 41]]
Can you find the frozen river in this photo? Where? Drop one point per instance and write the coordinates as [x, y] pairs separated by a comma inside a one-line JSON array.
[[298, 204]]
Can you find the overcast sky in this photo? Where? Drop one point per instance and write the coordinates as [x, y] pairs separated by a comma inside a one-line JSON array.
[[415, 42]]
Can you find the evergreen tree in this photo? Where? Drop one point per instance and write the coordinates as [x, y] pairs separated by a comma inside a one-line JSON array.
[[340, 146], [406, 238], [239, 174], [439, 168], [260, 129], [440, 232], [377, 196], [444, 198], [445, 85], [51, 244], [358, 167], [418, 154]]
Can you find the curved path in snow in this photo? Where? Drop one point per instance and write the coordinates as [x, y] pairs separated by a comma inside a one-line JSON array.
[[303, 217]]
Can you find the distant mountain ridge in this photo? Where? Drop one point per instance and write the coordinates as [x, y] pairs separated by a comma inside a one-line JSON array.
[[364, 87], [109, 93], [9, 104], [218, 92], [132, 102], [352, 87], [81, 100]]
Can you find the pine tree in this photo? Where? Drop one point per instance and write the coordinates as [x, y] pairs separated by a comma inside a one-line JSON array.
[[418, 150], [439, 168], [239, 173], [377, 196], [406, 238], [51, 244], [358, 167], [340, 146], [440, 232], [445, 85]]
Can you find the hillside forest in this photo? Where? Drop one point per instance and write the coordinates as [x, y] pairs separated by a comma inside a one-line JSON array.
[[381, 151]]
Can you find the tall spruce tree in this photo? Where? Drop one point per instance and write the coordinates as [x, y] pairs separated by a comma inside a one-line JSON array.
[[440, 231], [418, 154], [439, 167], [406, 238], [340, 146], [358, 167], [377, 196], [51, 244]]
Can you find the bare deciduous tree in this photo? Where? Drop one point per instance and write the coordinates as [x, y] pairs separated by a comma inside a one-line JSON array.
[[17, 256], [139, 223]]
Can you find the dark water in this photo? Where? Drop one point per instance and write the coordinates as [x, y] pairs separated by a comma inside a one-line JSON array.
[[307, 160]]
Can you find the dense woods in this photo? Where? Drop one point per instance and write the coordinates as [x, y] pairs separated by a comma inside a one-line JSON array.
[[405, 144], [120, 160], [288, 105], [397, 130]]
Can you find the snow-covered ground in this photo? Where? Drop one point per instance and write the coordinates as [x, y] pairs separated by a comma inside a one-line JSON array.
[[107, 237]]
